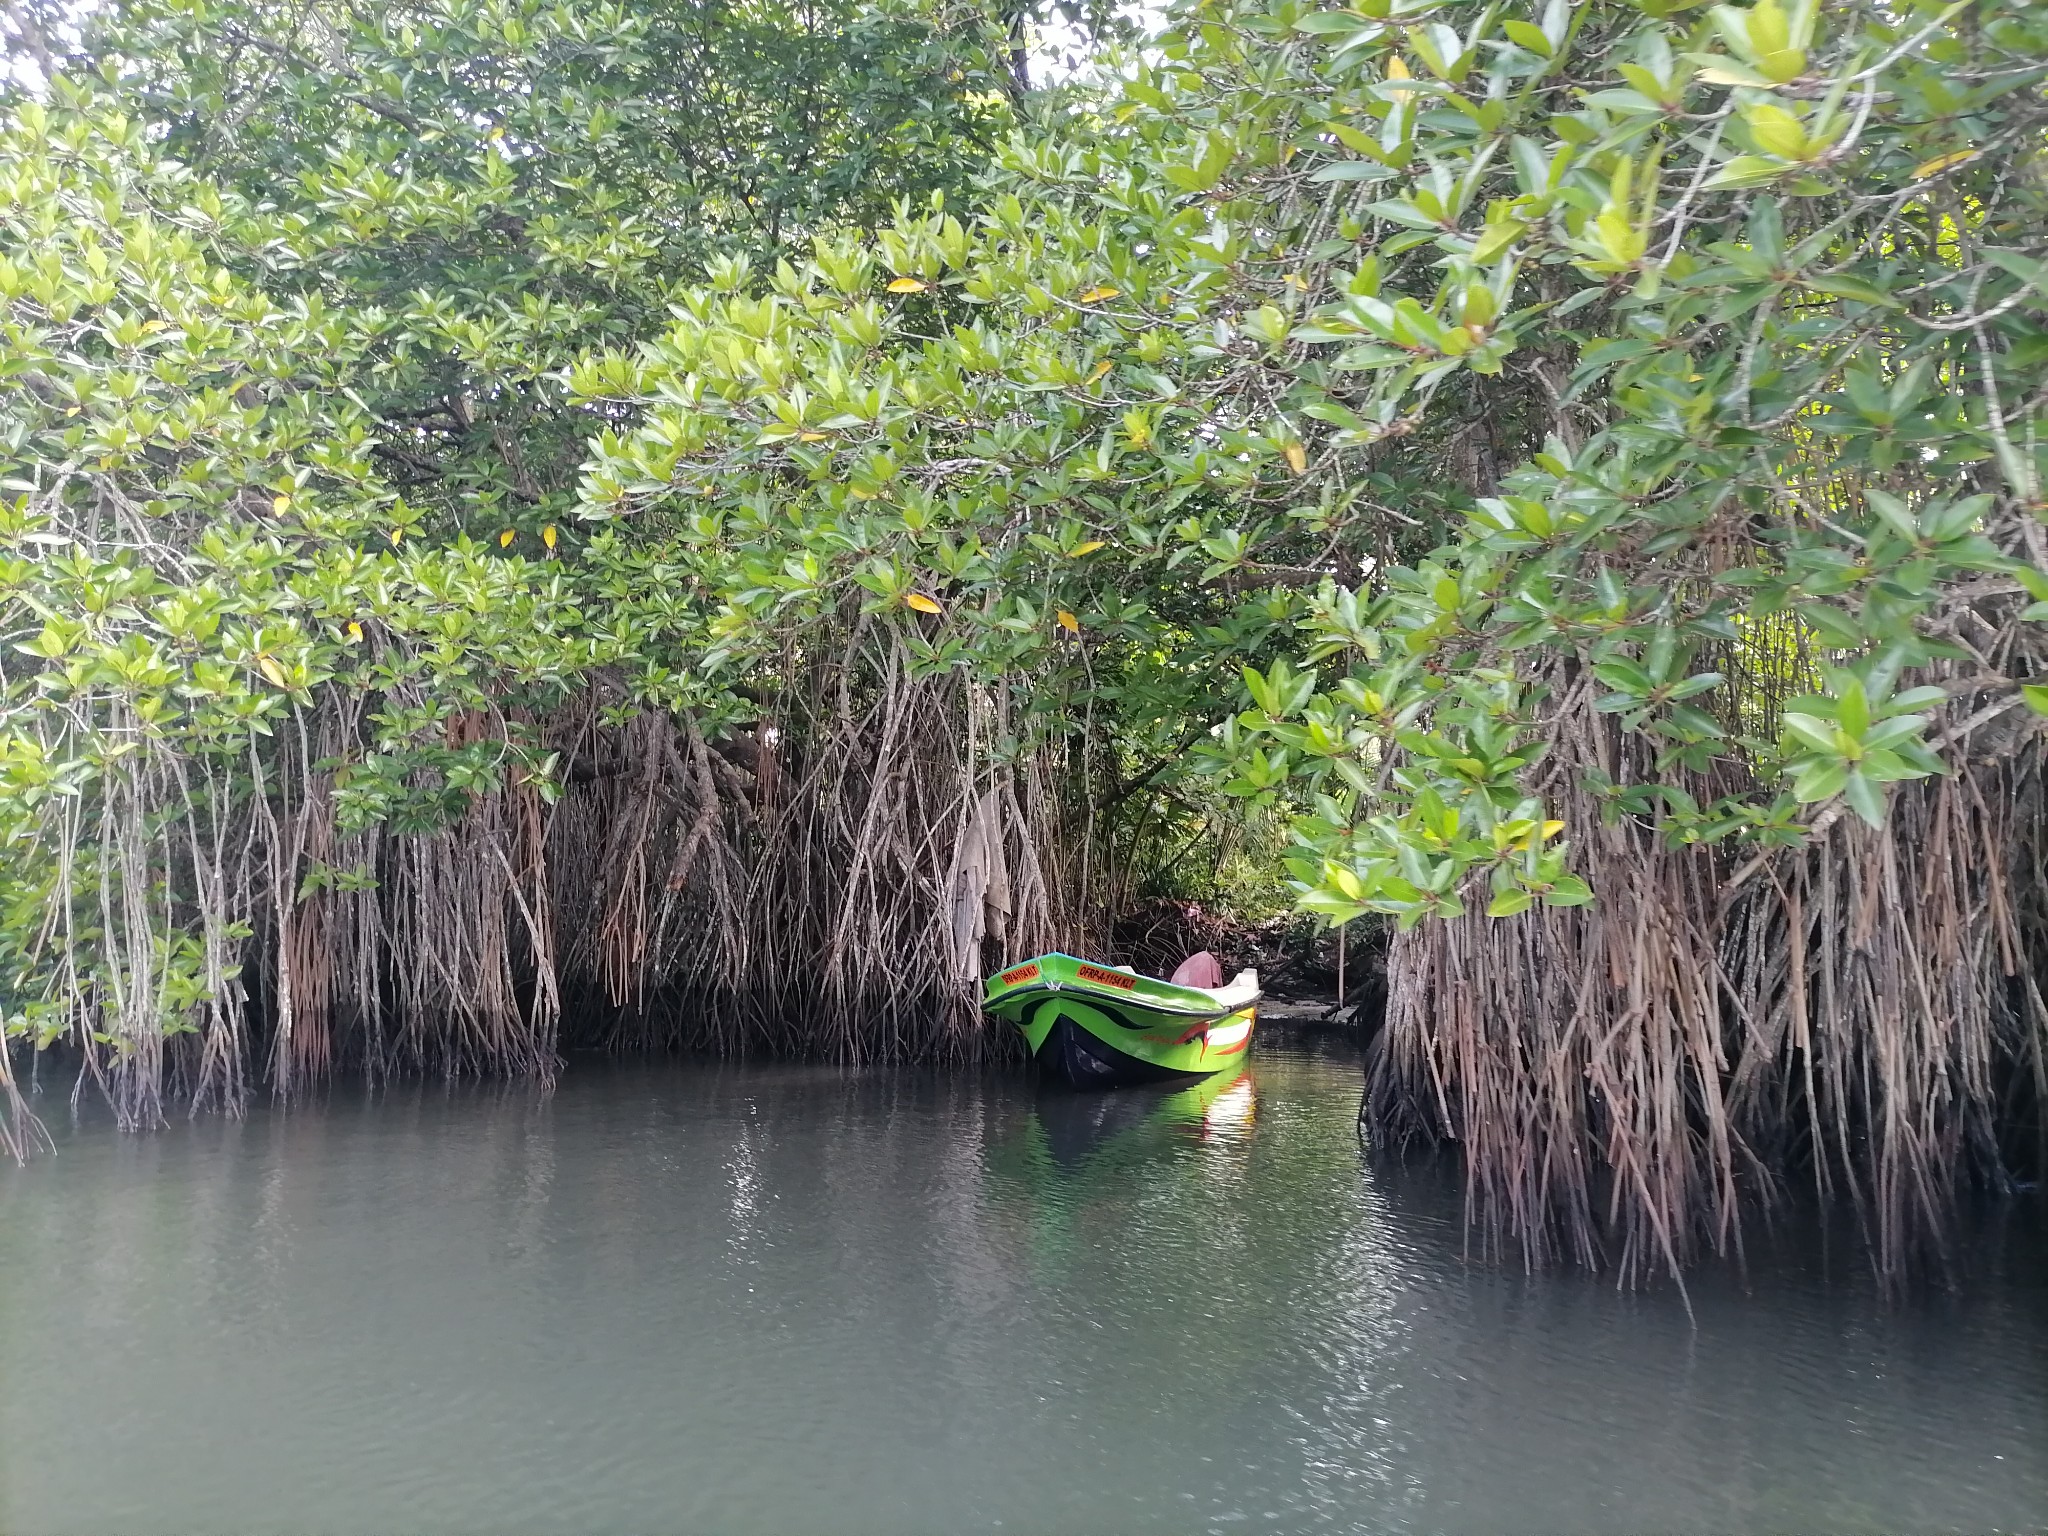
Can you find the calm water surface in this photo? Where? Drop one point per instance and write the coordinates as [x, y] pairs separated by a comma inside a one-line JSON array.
[[778, 1299]]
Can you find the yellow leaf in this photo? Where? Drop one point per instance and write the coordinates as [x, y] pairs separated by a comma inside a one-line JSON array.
[[355, 631], [906, 285], [271, 670], [1098, 293], [1620, 239], [548, 535], [1068, 621], [1552, 828], [1296, 281], [505, 539], [1297, 458], [922, 603], [397, 534], [1397, 68], [1084, 549], [153, 325], [1101, 368], [1940, 163], [1497, 237], [1777, 131], [280, 503], [810, 437]]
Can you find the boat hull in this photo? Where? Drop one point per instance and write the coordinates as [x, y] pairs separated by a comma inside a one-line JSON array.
[[1080, 1057], [1094, 1027]]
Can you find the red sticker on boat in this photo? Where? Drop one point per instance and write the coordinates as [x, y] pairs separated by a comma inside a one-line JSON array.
[[1022, 973], [1104, 978]]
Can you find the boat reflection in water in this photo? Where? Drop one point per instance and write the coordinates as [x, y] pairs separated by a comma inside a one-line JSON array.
[[1073, 1132], [1084, 1170]]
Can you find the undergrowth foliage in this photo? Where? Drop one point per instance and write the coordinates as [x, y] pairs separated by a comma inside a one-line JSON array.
[[1580, 462]]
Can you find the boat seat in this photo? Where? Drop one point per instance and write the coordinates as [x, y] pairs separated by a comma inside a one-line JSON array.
[[1203, 972]]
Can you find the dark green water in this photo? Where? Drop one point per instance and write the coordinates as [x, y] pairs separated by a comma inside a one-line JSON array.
[[774, 1299]]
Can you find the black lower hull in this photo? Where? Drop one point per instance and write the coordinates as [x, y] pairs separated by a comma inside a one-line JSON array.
[[1075, 1057]]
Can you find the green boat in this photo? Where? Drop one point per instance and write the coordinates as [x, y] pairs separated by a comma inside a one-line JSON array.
[[1099, 1026]]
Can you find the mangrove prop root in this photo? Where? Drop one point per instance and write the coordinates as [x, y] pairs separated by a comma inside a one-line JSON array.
[[833, 887], [1626, 1080]]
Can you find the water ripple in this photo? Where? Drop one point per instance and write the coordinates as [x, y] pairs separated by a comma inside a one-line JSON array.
[[724, 1299]]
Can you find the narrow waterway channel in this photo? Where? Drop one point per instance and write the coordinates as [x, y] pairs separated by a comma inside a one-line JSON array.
[[713, 1298]]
